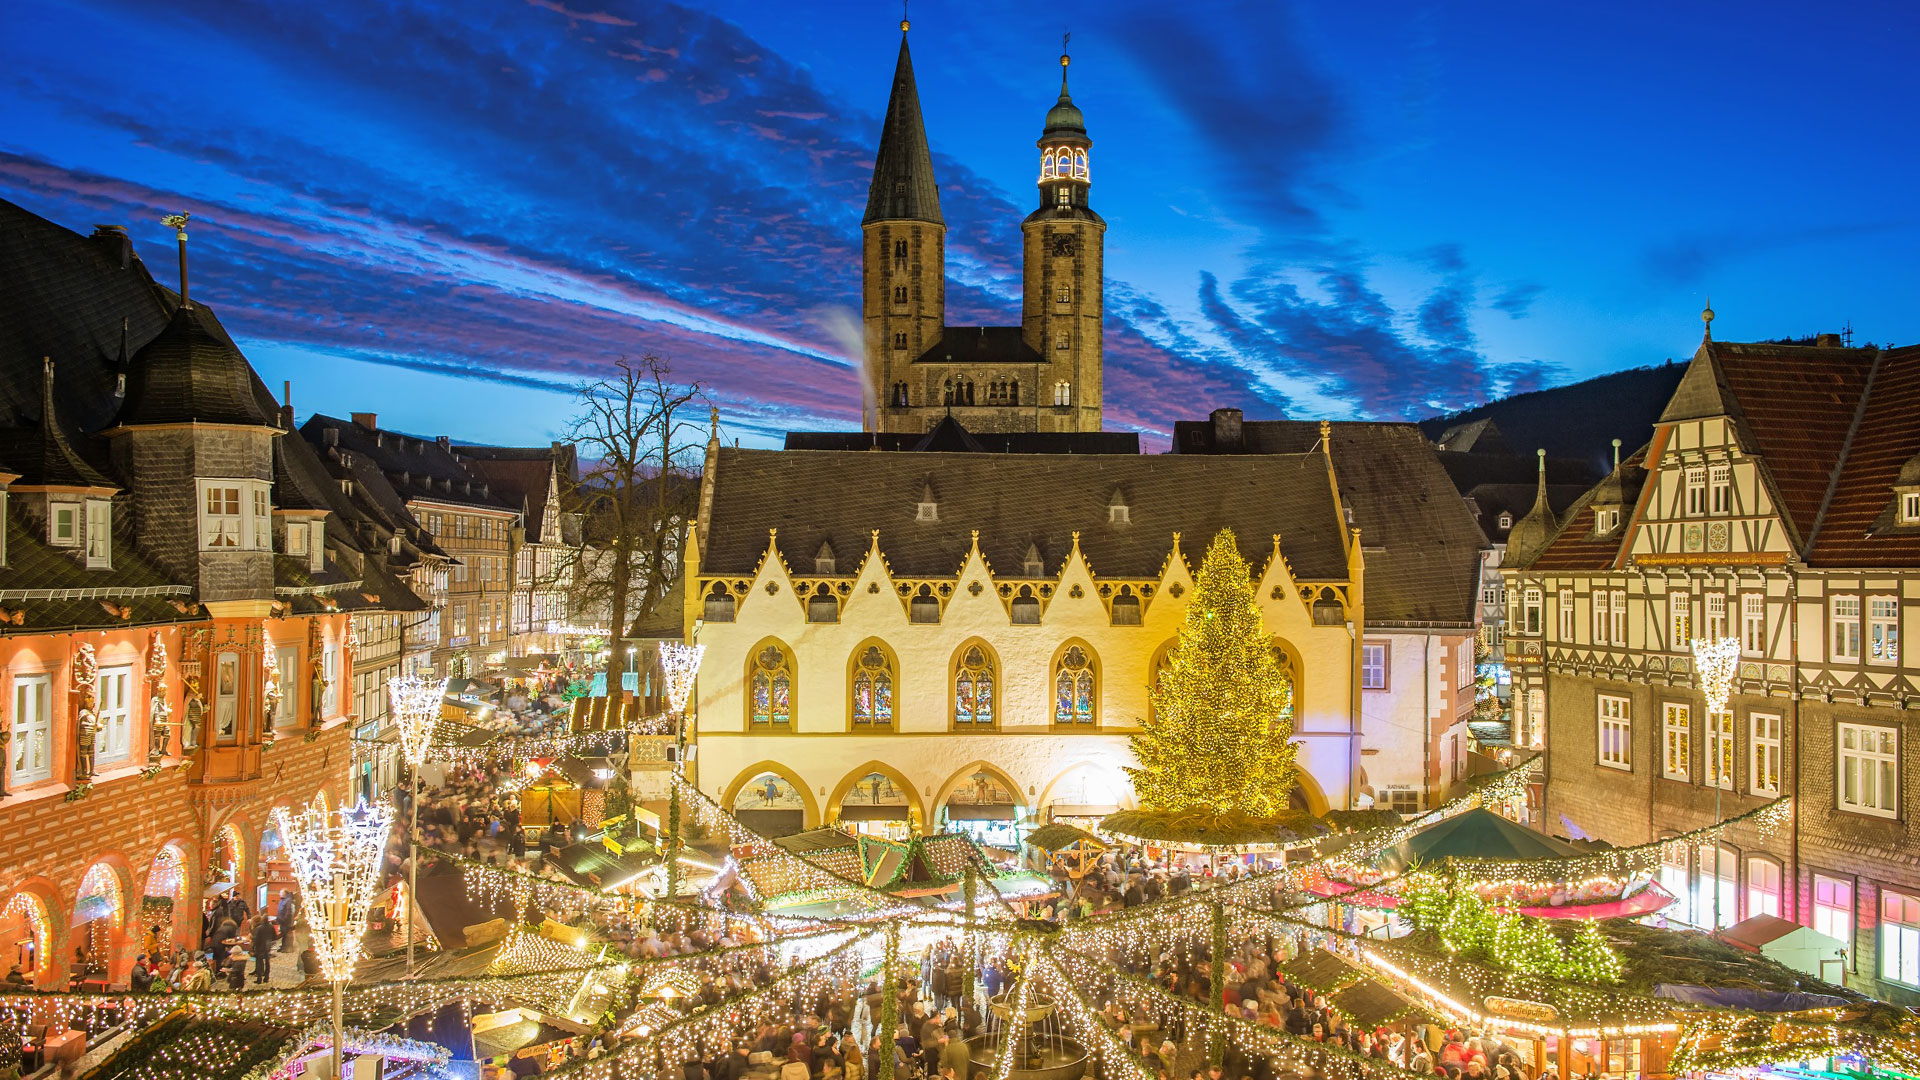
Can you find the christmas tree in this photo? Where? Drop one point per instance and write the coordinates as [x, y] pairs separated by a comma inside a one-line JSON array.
[[1220, 739]]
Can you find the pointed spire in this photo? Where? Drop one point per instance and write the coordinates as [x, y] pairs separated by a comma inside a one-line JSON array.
[[903, 187], [1706, 319], [1532, 532]]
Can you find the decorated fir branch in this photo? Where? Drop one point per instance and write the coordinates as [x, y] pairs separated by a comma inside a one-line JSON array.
[[1217, 755]]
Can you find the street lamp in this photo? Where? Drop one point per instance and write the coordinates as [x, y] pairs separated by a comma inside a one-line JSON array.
[[1717, 660], [336, 860], [415, 702]]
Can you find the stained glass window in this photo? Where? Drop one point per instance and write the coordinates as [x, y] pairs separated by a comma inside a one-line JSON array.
[[973, 688], [1073, 688], [873, 688], [772, 697]]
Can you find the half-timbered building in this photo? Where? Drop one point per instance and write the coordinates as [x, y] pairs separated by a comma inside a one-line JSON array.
[[1778, 504]]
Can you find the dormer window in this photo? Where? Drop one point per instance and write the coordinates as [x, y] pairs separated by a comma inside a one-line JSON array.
[[1033, 565], [63, 524], [1910, 508], [928, 509], [1118, 513], [1605, 521], [99, 534], [235, 515], [297, 537], [1506, 520], [823, 560]]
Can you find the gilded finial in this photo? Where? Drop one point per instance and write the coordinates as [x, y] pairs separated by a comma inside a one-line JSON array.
[[904, 25], [1706, 317]]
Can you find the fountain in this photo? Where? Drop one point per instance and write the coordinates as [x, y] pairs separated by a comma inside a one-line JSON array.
[[1043, 1053]]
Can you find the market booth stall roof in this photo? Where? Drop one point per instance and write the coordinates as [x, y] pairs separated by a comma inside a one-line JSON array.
[[1476, 833]]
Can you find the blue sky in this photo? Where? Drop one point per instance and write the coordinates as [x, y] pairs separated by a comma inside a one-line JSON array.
[[451, 213]]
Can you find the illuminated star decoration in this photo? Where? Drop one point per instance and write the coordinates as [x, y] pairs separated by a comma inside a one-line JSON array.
[[335, 857]]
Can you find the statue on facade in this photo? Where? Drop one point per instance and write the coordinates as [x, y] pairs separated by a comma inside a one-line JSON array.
[[86, 680], [196, 713], [159, 713]]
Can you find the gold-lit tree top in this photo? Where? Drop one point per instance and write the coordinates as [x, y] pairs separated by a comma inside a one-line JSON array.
[[1220, 738]]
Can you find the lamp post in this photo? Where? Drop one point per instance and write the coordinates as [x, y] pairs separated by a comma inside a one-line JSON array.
[[679, 663], [336, 860], [1717, 660], [415, 702]]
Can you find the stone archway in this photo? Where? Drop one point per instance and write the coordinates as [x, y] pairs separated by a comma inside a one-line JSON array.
[[771, 799], [982, 801], [31, 934], [876, 798]]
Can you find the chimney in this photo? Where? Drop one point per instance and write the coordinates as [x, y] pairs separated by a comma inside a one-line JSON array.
[[366, 419], [114, 239], [1827, 341], [1226, 429], [445, 443]]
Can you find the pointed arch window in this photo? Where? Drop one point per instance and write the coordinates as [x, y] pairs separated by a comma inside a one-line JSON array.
[[770, 701], [1062, 393], [900, 255], [899, 339], [1073, 687], [974, 689], [899, 294], [873, 689]]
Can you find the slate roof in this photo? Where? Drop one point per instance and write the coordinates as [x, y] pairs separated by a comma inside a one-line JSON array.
[[1860, 524], [45, 455], [981, 345], [522, 473], [1018, 500], [416, 468], [903, 187], [190, 373], [89, 304], [987, 442], [1421, 545], [1487, 501], [75, 300]]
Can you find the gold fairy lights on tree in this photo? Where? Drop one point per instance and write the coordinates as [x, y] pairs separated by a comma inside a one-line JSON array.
[[1220, 738]]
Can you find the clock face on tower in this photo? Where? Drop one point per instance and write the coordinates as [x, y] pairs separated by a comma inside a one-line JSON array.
[[1063, 244]]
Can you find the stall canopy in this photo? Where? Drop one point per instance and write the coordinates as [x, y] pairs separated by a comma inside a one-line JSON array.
[[629, 682], [1478, 832]]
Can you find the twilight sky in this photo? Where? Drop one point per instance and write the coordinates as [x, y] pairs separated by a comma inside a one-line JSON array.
[[449, 213]]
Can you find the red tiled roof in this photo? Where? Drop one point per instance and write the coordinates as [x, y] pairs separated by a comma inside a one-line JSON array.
[[1796, 404], [1887, 437], [1575, 547]]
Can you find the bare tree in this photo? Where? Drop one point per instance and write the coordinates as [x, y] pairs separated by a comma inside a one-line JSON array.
[[639, 454]]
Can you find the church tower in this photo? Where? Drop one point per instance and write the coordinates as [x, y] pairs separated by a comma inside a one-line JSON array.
[[903, 297], [1064, 248]]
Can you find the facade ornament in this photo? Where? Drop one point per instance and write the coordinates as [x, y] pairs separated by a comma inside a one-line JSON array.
[[269, 692], [159, 713], [85, 687]]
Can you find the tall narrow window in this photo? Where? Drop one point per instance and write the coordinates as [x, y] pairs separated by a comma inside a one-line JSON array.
[[1616, 732], [1716, 615], [1569, 621], [1753, 623], [1073, 688], [1598, 599], [1763, 732], [974, 687], [32, 729], [1716, 898], [770, 699], [1833, 910], [1846, 628], [286, 661], [63, 524], [873, 689], [1530, 612], [1533, 725], [1062, 393], [1046, 166], [220, 517], [1910, 508], [1883, 630], [226, 696], [1680, 621], [1063, 197], [1617, 617], [1763, 887], [1373, 666], [99, 534], [115, 712], [1079, 164], [1063, 294], [1869, 764], [1696, 491], [1676, 740], [330, 673], [1062, 341], [1720, 487], [1720, 750]]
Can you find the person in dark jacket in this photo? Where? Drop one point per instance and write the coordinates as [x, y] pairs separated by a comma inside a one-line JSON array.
[[285, 914], [262, 939]]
